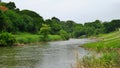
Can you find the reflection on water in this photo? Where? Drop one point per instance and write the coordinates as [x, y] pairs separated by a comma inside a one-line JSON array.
[[59, 54]]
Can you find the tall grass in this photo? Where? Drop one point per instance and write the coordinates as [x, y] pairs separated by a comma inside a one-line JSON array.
[[55, 37], [108, 47], [26, 38], [107, 60], [31, 38]]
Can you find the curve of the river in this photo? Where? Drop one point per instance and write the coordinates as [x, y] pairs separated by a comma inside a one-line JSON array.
[[58, 54]]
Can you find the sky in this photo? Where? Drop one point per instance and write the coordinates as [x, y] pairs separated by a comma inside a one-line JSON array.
[[80, 11]]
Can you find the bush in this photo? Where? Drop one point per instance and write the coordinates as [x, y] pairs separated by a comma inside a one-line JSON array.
[[44, 31], [64, 35], [6, 39]]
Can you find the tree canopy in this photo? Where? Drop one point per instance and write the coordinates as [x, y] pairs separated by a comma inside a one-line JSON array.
[[14, 20]]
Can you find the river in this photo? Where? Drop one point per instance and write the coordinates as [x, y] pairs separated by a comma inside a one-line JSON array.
[[57, 54]]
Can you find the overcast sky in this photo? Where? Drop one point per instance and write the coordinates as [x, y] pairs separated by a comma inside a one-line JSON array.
[[79, 11]]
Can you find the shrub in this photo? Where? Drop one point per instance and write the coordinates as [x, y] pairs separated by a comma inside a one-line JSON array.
[[6, 39], [64, 35], [44, 31]]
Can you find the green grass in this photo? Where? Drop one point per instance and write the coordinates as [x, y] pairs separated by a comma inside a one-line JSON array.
[[26, 38], [108, 60], [31, 38], [55, 37], [107, 42], [108, 47]]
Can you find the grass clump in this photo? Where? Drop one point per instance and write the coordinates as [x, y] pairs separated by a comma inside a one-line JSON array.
[[108, 47], [107, 60]]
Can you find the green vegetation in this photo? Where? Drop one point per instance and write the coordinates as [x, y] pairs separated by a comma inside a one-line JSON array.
[[31, 38], [109, 49], [26, 26], [64, 35], [26, 38], [108, 60], [106, 43], [16, 21], [44, 32], [54, 37], [6, 39]]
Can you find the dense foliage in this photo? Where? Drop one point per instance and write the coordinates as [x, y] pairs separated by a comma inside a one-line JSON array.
[[44, 31], [6, 39], [64, 35], [14, 20]]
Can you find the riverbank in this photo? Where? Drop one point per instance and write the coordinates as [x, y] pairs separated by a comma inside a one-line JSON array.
[[33, 38], [108, 47]]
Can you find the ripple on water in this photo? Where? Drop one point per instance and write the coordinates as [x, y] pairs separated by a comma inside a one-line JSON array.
[[58, 54]]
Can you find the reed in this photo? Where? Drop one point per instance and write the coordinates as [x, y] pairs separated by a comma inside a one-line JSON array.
[[108, 47]]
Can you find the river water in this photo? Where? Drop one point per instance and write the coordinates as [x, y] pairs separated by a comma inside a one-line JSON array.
[[58, 54]]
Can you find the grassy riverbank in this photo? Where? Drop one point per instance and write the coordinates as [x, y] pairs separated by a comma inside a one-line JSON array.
[[106, 42], [31, 38], [108, 47]]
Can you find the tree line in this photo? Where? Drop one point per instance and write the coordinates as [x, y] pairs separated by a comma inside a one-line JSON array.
[[14, 20]]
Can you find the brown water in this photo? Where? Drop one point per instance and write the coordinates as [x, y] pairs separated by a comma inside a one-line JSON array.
[[58, 54]]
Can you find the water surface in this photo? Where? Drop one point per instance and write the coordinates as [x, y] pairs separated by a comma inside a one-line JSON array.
[[58, 54]]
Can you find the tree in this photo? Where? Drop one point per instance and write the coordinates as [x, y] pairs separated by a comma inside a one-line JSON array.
[[37, 19], [11, 5], [99, 28], [94, 28], [16, 19], [78, 30], [108, 27], [2, 16], [28, 23], [70, 26], [64, 35], [5, 23], [44, 31], [54, 24], [115, 24]]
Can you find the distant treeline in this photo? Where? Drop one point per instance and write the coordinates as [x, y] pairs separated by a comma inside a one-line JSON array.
[[14, 20]]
